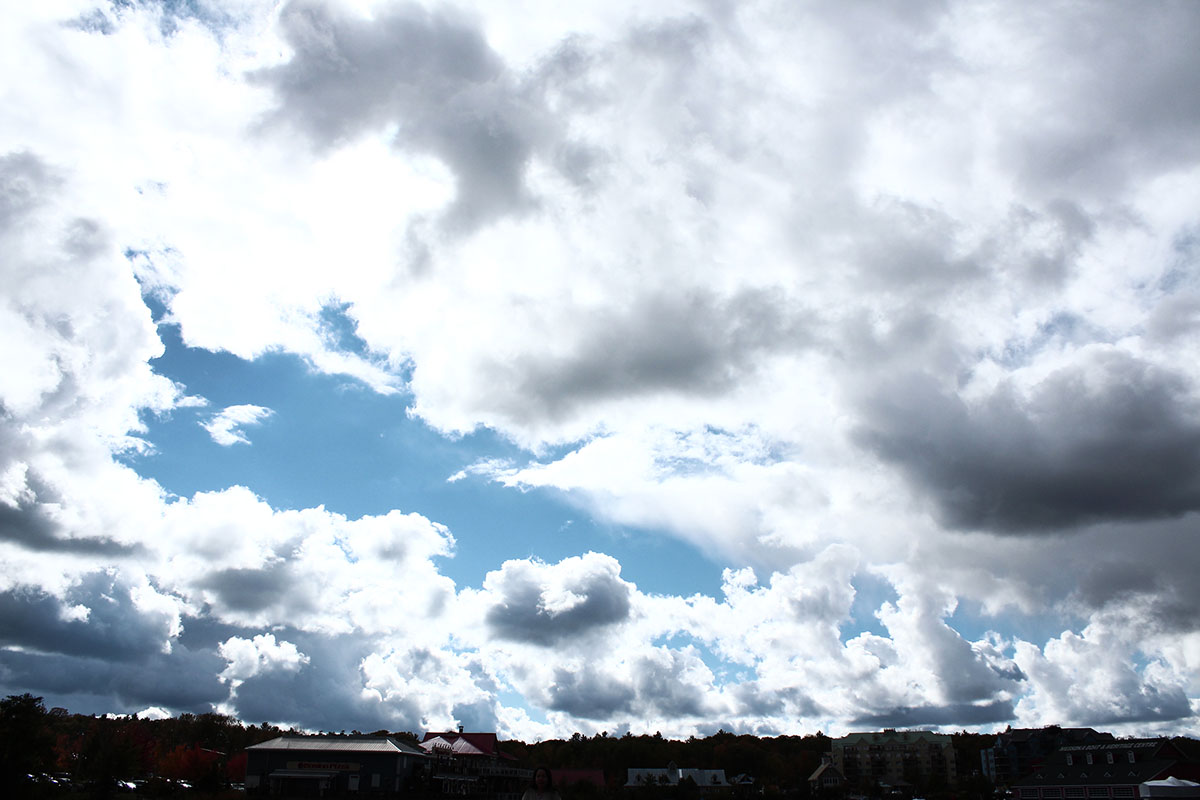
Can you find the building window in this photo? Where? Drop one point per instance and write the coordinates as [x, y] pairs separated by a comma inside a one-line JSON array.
[[1051, 794], [1089, 758], [1070, 760], [1130, 756], [1109, 756], [1097, 791], [1074, 792]]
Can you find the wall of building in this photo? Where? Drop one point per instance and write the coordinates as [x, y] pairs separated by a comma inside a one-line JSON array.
[[314, 772]]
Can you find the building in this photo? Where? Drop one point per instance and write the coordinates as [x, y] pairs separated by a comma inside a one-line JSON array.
[[323, 766], [1019, 751], [473, 765], [826, 780], [895, 758], [566, 778], [1121, 768], [706, 780]]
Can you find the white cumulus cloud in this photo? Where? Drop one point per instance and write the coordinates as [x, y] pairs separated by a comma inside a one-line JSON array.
[[225, 427]]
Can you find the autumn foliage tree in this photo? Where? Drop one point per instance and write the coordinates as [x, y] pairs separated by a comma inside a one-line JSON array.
[[197, 765]]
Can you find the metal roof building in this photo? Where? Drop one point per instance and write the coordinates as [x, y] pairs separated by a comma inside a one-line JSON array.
[[322, 766], [1122, 768]]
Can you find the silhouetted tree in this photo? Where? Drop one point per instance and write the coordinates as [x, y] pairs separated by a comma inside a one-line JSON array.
[[26, 743]]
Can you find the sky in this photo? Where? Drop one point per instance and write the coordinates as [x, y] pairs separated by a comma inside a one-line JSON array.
[[546, 367]]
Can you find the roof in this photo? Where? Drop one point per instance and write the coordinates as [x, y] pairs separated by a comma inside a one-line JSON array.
[[893, 736], [1054, 732], [338, 745], [638, 776], [1171, 782], [704, 777], [1119, 773], [672, 775], [1152, 759], [464, 744], [1117, 744], [827, 767]]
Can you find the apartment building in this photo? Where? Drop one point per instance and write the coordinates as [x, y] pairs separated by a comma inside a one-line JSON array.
[[895, 758]]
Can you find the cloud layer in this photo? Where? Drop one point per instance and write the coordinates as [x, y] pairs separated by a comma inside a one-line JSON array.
[[891, 313]]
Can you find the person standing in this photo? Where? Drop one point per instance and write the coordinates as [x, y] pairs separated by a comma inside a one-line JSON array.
[[543, 786]]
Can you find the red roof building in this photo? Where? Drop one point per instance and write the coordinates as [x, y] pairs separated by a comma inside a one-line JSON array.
[[465, 744], [473, 765]]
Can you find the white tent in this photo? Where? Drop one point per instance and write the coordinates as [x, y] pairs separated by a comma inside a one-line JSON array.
[[1169, 787]]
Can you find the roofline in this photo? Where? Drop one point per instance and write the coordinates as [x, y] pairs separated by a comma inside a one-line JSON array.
[[400, 747]]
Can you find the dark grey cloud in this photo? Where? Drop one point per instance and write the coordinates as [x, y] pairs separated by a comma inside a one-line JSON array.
[[206, 632], [30, 524], [1118, 439], [904, 247], [119, 652], [325, 693], [1109, 580], [1175, 317], [589, 693], [965, 677], [255, 590], [756, 701], [656, 687], [520, 615], [479, 715], [1146, 571], [692, 342], [1148, 704], [952, 714], [85, 239], [431, 75], [666, 689], [1119, 106], [182, 679], [113, 629]]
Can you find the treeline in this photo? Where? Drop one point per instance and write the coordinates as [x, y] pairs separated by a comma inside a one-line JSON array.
[[783, 761], [207, 751], [777, 765]]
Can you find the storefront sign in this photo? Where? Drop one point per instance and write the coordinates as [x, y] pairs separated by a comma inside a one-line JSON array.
[[324, 766]]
